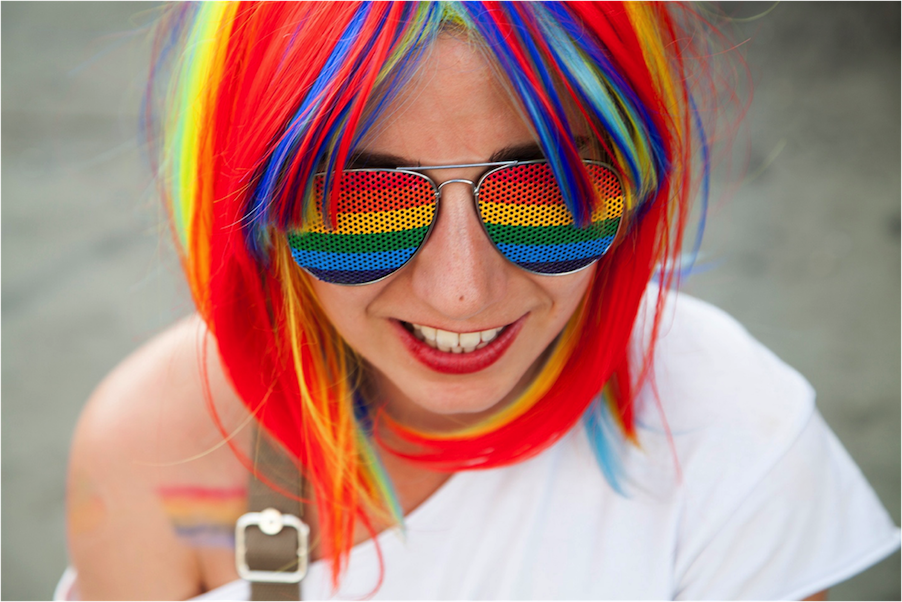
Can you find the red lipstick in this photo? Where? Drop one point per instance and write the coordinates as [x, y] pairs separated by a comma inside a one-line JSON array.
[[460, 363]]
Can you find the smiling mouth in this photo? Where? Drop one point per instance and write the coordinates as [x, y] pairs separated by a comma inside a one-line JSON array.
[[457, 352], [453, 342]]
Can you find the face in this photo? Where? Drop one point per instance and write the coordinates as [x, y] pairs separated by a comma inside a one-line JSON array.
[[453, 112]]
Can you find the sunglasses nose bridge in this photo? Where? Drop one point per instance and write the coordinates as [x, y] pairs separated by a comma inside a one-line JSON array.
[[474, 188], [458, 181]]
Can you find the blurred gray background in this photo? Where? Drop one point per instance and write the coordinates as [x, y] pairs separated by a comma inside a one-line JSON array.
[[805, 251]]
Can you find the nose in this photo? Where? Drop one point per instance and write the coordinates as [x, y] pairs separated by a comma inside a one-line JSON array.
[[458, 272]]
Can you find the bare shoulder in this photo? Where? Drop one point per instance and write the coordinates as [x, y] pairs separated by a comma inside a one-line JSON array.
[[153, 486]]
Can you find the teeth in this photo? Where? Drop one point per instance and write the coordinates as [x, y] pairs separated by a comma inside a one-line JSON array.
[[454, 342], [488, 335], [447, 339], [469, 339]]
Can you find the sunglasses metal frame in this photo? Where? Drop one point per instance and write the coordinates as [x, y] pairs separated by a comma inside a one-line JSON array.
[[497, 166]]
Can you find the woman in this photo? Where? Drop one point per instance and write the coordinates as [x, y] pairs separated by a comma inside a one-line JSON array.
[[420, 240]]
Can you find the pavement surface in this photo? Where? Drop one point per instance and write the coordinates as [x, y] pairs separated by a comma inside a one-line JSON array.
[[802, 244]]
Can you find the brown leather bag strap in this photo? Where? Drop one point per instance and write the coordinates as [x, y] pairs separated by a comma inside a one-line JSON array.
[[271, 540]]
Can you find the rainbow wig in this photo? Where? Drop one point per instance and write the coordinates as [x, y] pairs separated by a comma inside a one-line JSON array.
[[248, 100]]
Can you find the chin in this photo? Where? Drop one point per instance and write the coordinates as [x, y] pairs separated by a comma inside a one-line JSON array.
[[468, 404], [443, 406]]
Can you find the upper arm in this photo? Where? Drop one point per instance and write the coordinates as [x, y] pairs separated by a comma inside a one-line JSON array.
[[120, 540], [145, 428]]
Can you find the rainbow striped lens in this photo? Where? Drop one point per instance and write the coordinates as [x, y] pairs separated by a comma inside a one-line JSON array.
[[384, 215], [524, 214]]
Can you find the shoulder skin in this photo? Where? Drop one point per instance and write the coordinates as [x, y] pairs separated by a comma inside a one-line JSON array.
[[153, 490]]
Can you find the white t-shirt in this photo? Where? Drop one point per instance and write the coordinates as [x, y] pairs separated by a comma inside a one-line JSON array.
[[751, 497]]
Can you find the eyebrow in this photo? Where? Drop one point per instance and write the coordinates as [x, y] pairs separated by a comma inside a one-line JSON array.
[[529, 151], [362, 158], [518, 152]]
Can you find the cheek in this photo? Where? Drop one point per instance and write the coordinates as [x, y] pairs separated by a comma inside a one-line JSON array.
[[567, 291], [345, 307]]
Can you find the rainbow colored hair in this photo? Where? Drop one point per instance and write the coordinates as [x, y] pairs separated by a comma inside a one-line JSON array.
[[248, 100]]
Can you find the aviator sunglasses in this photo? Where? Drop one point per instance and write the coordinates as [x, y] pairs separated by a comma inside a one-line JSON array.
[[384, 216]]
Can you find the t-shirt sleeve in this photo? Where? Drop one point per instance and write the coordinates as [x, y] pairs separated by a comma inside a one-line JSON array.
[[770, 504], [811, 521]]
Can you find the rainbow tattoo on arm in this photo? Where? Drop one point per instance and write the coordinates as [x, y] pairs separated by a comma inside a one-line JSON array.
[[204, 517]]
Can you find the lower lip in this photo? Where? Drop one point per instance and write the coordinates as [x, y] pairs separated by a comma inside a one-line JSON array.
[[460, 363]]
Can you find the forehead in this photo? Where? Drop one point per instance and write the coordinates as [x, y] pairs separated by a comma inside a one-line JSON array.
[[454, 109]]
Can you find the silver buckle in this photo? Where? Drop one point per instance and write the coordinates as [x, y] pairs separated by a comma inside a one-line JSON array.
[[270, 522]]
